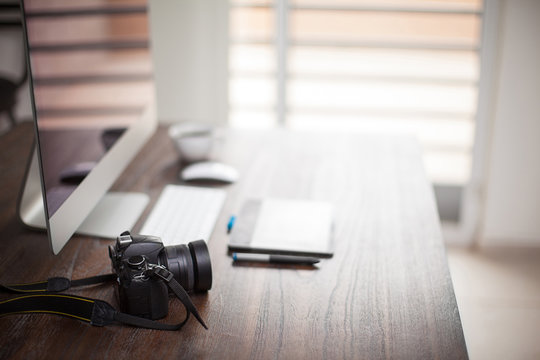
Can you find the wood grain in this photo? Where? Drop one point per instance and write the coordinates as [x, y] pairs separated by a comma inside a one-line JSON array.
[[386, 293]]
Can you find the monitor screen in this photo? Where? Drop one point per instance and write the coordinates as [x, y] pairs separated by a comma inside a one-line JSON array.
[[91, 86]]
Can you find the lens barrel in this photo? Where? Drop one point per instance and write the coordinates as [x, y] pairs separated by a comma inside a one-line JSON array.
[[190, 265]]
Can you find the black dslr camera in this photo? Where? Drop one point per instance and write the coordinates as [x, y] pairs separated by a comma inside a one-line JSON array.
[[134, 257]]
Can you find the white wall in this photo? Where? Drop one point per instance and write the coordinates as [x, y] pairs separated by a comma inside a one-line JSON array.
[[189, 42], [512, 191]]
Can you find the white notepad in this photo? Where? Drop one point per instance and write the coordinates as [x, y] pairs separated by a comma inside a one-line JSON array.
[[284, 226]]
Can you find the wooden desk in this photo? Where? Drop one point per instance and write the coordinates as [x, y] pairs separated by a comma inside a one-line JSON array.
[[386, 293]]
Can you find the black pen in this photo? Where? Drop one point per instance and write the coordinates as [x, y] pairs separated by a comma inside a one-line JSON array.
[[283, 259]]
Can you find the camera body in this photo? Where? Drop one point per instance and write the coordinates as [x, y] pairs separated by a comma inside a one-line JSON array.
[[134, 256], [138, 292]]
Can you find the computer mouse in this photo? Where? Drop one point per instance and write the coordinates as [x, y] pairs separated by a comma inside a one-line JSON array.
[[209, 171]]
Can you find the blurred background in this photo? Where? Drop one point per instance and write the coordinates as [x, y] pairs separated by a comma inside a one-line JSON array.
[[460, 75]]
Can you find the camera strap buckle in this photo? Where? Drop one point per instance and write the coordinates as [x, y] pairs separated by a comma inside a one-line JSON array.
[[161, 272]]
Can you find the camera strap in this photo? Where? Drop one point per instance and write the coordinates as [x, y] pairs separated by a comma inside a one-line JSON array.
[[57, 284], [42, 297]]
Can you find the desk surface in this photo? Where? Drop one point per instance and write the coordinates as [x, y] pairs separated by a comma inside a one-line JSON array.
[[386, 293]]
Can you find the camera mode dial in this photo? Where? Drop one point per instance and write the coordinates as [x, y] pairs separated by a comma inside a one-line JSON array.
[[137, 262]]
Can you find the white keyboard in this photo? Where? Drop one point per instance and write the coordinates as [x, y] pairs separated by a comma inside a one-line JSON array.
[[184, 213]]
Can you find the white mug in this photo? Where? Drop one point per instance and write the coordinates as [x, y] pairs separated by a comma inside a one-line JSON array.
[[193, 141]]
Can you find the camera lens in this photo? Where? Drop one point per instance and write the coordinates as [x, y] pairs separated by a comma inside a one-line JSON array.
[[201, 264], [190, 265]]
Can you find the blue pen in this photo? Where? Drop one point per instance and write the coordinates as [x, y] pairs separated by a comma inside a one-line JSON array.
[[231, 223]]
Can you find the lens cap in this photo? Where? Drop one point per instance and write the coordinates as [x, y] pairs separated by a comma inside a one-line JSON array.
[[201, 264]]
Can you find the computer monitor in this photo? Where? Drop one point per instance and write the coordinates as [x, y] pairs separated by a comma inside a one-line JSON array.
[[54, 196]]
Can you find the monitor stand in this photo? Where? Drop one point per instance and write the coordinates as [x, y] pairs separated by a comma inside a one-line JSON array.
[[115, 213]]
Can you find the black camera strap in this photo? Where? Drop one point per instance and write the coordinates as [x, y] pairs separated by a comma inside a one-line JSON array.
[[42, 298], [57, 284]]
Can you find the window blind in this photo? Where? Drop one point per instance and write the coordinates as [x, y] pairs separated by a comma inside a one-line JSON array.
[[402, 66]]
